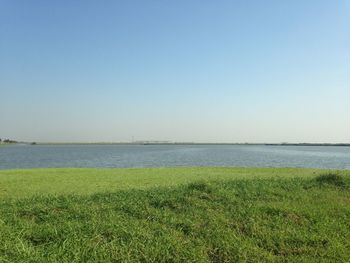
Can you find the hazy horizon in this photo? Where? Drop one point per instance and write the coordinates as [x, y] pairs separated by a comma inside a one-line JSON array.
[[183, 71]]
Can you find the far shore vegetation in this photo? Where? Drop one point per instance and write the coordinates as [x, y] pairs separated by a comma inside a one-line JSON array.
[[8, 141]]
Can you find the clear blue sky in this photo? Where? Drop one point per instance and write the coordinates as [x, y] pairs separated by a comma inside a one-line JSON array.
[[210, 71]]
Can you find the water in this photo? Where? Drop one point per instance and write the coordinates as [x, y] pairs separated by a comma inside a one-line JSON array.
[[27, 156]]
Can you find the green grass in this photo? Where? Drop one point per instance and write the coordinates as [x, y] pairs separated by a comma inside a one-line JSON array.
[[174, 215], [25, 183]]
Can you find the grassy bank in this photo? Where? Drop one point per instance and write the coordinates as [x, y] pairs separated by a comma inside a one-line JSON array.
[[25, 183], [174, 215]]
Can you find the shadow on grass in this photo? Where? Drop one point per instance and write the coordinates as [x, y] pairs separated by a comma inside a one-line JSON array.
[[331, 178]]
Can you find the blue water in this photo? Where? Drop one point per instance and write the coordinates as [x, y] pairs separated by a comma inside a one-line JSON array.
[[28, 156]]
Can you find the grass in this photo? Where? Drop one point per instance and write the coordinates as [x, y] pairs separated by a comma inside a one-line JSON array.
[[25, 183], [174, 215]]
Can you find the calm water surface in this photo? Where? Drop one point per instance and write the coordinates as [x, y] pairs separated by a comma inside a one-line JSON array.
[[27, 156]]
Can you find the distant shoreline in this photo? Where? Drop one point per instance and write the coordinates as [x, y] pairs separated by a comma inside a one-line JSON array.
[[181, 143]]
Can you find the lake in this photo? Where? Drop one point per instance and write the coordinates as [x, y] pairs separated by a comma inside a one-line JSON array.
[[36, 156]]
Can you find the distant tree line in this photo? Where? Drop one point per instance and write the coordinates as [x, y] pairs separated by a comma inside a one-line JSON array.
[[7, 141]]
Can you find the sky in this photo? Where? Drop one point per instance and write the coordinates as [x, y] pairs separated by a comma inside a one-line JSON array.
[[187, 71]]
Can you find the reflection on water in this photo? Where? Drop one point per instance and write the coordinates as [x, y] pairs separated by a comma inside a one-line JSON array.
[[26, 156]]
